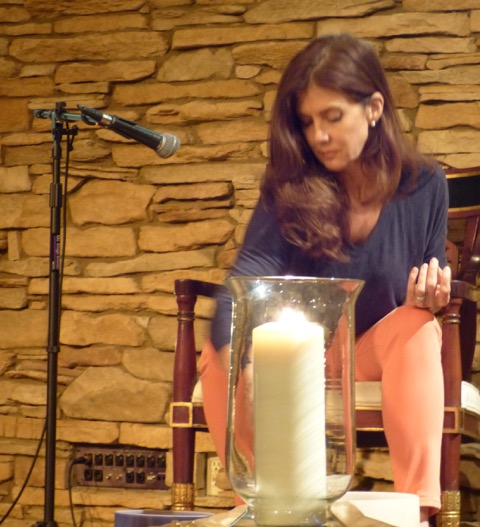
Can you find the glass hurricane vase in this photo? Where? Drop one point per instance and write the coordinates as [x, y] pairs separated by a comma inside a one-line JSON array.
[[291, 427]]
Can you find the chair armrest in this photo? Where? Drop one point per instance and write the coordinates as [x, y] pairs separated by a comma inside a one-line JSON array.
[[196, 288], [465, 290], [472, 270]]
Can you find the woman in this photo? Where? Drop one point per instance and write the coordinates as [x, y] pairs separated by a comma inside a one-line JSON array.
[[345, 195]]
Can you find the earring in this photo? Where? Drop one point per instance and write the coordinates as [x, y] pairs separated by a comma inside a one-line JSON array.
[[373, 123]]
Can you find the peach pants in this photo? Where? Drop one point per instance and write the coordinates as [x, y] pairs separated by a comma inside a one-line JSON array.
[[403, 351]]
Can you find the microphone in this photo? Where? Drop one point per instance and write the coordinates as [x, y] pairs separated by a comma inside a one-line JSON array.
[[164, 145]]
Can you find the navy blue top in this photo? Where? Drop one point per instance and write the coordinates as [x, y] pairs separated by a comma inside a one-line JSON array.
[[411, 230]]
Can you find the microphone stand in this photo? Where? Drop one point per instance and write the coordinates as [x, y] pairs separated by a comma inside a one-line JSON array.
[[59, 116], [54, 309]]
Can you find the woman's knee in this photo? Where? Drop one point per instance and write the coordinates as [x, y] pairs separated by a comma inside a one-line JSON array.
[[408, 321]]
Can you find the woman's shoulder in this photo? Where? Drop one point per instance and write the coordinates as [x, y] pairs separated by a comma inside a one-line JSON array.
[[263, 225], [427, 177]]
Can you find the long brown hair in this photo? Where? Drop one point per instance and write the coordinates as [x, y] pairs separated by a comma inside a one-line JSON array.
[[309, 200]]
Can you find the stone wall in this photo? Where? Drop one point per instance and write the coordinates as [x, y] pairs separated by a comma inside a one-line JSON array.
[[206, 71]]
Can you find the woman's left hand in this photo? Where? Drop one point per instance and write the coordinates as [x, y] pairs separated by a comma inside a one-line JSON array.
[[429, 286]]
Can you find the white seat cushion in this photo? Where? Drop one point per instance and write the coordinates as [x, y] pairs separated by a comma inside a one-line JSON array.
[[197, 395], [470, 397], [369, 395]]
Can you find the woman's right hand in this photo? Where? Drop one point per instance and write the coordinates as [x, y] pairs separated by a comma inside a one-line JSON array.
[[429, 286]]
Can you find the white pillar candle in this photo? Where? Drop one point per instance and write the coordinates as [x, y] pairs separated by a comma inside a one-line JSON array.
[[289, 416]]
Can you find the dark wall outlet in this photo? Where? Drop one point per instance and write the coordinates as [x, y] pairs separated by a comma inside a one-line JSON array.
[[119, 466]]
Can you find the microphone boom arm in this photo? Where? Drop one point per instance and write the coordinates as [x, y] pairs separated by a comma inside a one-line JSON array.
[[164, 145]]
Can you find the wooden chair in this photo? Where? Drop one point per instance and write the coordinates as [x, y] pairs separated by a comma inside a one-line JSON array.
[[458, 346], [459, 329]]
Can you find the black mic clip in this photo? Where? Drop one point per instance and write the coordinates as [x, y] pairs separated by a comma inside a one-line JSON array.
[[62, 114]]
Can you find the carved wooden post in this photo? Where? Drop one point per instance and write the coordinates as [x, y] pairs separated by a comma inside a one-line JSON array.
[[181, 408], [449, 516]]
